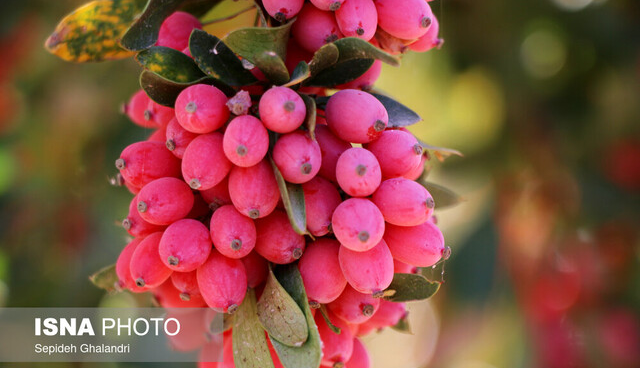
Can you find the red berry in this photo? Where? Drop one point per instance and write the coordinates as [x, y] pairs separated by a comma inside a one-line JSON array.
[[336, 348], [358, 172], [295, 54], [185, 245], [331, 147], [407, 19], [321, 272], [277, 241], [233, 234], [401, 267], [297, 156], [200, 209], [158, 114], [253, 190], [397, 151], [178, 138], [388, 314], [358, 18], [217, 196], [360, 357], [143, 162], [201, 108], [169, 297], [358, 224], [430, 39], [164, 201], [136, 110], [282, 10], [420, 246], [158, 135], [353, 306], [314, 28], [368, 272], [146, 267], [356, 116], [327, 5], [257, 269], [222, 282], [176, 29], [123, 265], [417, 171], [320, 200], [186, 283], [246, 141], [282, 110], [204, 164], [135, 225], [366, 80], [193, 330], [403, 202]]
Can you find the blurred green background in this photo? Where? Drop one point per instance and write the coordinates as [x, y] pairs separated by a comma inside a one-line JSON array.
[[542, 97]]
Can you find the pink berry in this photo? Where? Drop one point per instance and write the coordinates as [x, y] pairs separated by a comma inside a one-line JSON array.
[[277, 241], [257, 269], [417, 171], [282, 10], [159, 115], [430, 39], [246, 141], [147, 269], [331, 147], [201, 108], [233, 234], [186, 283], [358, 224], [164, 201], [297, 156], [282, 110], [135, 225], [222, 282], [401, 267], [314, 28], [204, 164], [336, 348], [193, 330], [358, 172], [321, 272], [356, 116], [295, 54], [176, 29], [365, 81], [178, 138], [360, 357], [136, 110], [320, 200], [185, 245], [397, 151], [407, 19], [353, 306], [158, 135], [420, 246], [143, 162], [368, 272], [253, 190], [123, 266], [217, 196], [327, 5], [169, 297], [358, 18], [200, 208], [388, 314], [403, 202]]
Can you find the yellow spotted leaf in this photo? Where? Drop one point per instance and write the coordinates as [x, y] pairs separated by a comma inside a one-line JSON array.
[[92, 32]]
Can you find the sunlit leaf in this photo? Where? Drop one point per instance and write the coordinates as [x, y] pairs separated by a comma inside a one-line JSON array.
[[273, 67], [356, 48], [323, 58], [407, 287], [169, 64], [441, 153], [250, 349], [300, 73], [252, 42], [106, 278]]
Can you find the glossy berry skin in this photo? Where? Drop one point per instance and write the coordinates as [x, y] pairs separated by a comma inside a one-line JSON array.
[[177, 138], [134, 223], [185, 245], [420, 246], [397, 151], [123, 266], [360, 357], [430, 39], [136, 110], [282, 110], [403, 202], [277, 241], [143, 162], [169, 297], [320, 270], [417, 171], [353, 306], [176, 29], [297, 156], [401, 267], [217, 196], [204, 164], [257, 269], [407, 19], [282, 10], [358, 224], [253, 190], [336, 348], [365, 81], [331, 148], [356, 116], [233, 234], [158, 114], [358, 18], [320, 200], [164, 201], [147, 269], [222, 282], [201, 108], [246, 141], [328, 5], [186, 283], [314, 28], [368, 272], [358, 172]]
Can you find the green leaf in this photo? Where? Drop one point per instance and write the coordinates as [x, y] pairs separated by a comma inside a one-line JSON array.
[[442, 196], [165, 92], [441, 153], [403, 325], [169, 64], [273, 67], [199, 8], [310, 353], [326, 56], [342, 72], [399, 114], [217, 60], [252, 42], [293, 200], [407, 287], [106, 278], [91, 32], [310, 119], [357, 48], [280, 316], [300, 73], [250, 349], [144, 32], [332, 327]]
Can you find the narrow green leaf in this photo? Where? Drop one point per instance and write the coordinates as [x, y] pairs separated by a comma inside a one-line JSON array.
[[310, 353], [280, 316], [250, 349], [144, 32], [293, 200], [300, 73], [399, 114], [357, 48], [165, 92], [342, 72], [273, 67], [442, 196], [334, 328], [217, 60], [169, 64], [326, 56], [106, 278], [441, 153], [310, 119], [252, 42], [403, 325], [407, 287]]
